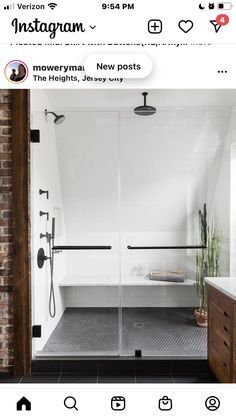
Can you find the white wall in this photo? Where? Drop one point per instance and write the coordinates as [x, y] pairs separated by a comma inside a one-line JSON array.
[[164, 179], [233, 210], [45, 175], [221, 194], [89, 161]]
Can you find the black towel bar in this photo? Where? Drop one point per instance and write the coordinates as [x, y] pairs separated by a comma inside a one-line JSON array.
[[82, 248], [164, 247]]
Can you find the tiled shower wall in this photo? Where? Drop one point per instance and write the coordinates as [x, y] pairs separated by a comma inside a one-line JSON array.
[[6, 305]]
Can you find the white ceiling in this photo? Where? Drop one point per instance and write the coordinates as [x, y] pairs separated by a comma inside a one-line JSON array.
[[122, 99]]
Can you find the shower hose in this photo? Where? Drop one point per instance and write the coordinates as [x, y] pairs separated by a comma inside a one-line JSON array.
[[52, 302]]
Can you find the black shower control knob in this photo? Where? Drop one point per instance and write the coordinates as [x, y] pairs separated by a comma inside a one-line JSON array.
[[42, 191], [42, 213]]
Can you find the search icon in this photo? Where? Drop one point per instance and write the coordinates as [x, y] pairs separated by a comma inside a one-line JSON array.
[[70, 403]]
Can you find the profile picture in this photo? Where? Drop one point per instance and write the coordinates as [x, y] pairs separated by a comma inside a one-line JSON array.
[[16, 71]]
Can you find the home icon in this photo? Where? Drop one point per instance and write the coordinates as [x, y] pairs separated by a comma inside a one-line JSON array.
[[23, 404]]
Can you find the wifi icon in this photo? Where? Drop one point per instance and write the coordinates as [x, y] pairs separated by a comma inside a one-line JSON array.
[[52, 5]]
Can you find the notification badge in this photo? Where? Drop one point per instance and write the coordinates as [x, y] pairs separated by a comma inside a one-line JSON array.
[[222, 20]]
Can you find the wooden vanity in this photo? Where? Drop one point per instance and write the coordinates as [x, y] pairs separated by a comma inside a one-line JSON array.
[[222, 328]]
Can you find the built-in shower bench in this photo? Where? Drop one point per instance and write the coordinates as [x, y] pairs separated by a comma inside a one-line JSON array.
[[135, 291]]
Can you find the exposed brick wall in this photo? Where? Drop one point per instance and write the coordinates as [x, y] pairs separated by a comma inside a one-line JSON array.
[[6, 309]]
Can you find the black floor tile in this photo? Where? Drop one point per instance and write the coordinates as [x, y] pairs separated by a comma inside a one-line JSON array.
[[116, 379], [73, 378], [200, 379], [154, 379], [86, 367], [44, 378], [9, 378], [46, 367], [189, 367], [210, 374], [153, 367], [116, 367]]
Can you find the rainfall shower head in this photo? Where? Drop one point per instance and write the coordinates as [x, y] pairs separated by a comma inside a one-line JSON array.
[[145, 110], [58, 118]]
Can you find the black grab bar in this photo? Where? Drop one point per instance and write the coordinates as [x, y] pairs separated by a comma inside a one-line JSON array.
[[164, 247], [81, 248]]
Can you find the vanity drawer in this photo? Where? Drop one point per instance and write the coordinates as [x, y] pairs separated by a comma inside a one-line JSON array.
[[234, 348], [224, 303], [219, 323], [234, 364], [234, 352], [219, 366], [221, 346]]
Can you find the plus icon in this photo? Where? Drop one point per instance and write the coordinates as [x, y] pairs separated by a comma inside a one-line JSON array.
[[155, 26]]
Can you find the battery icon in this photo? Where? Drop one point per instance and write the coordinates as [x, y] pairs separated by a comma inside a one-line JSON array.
[[225, 6]]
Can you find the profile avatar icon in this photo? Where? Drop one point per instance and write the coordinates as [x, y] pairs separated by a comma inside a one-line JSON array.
[[16, 71], [212, 403]]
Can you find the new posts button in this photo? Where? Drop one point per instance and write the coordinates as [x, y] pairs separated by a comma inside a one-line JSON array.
[[128, 66]]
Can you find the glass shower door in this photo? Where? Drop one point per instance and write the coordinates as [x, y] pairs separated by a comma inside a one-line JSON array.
[[78, 163], [169, 170]]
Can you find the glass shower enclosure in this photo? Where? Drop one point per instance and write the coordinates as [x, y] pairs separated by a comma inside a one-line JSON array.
[[125, 191]]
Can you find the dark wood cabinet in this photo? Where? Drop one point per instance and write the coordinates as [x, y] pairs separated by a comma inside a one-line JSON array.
[[222, 336]]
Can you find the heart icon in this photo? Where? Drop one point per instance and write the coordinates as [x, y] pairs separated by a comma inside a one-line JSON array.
[[185, 25]]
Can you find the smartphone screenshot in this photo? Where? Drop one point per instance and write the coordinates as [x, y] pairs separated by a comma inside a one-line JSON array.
[[117, 209]]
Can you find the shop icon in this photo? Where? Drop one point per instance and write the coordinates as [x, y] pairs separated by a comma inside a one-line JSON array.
[[165, 404]]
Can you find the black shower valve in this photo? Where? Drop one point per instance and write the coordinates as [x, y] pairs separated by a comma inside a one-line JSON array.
[[42, 213], [41, 258], [42, 191]]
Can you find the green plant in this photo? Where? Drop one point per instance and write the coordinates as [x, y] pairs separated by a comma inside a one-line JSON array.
[[207, 259]]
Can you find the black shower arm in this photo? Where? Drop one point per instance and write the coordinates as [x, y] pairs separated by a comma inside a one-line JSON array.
[[145, 98]]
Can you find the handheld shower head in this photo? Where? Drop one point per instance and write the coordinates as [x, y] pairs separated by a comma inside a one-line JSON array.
[[53, 227], [58, 118], [145, 110]]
